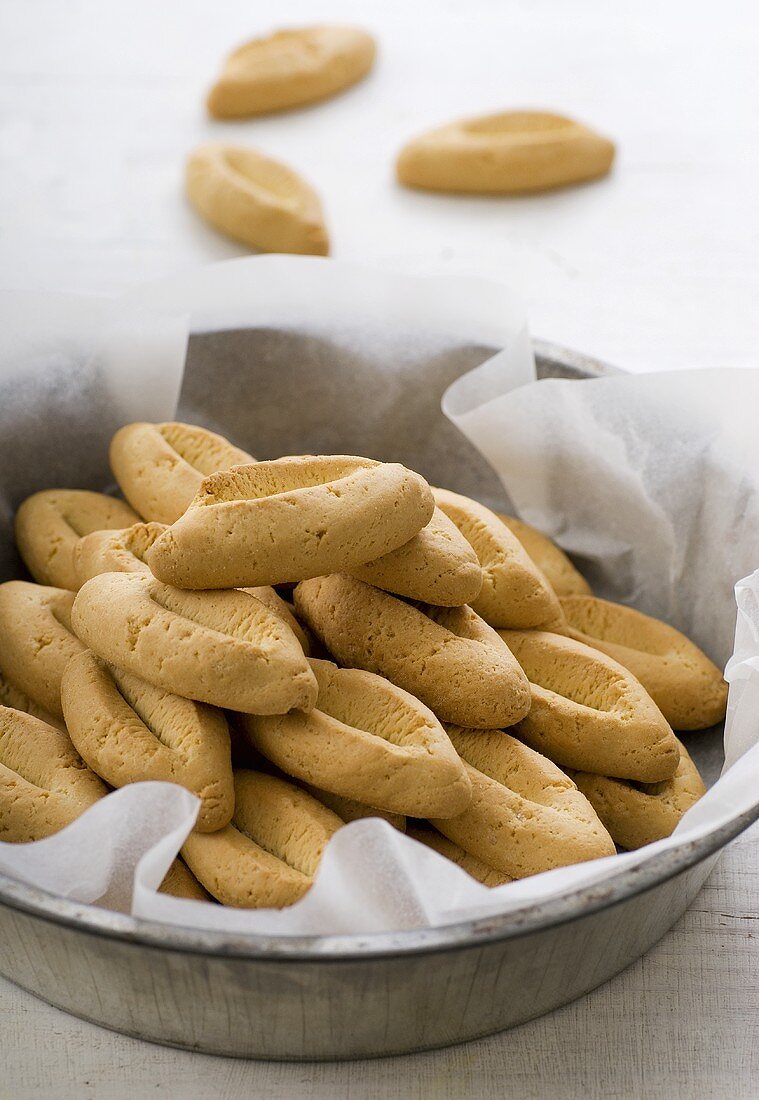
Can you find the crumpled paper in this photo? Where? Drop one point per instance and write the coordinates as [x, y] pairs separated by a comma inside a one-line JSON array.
[[650, 481]]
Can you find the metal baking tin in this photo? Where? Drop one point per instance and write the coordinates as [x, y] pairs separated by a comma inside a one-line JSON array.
[[322, 997]]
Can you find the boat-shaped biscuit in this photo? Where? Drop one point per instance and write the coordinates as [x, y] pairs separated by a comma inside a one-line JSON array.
[[291, 519], [446, 657], [488, 876], [44, 783], [526, 815], [129, 731], [509, 153], [159, 467], [268, 856], [640, 813], [437, 566], [180, 882], [37, 640], [556, 567], [50, 523], [687, 688], [514, 592], [368, 740], [223, 648], [13, 697], [290, 68], [588, 712], [348, 809]]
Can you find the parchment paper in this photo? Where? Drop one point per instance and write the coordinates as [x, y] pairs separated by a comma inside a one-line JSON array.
[[649, 480]]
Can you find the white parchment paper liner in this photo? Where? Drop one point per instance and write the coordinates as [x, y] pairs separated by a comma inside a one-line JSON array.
[[649, 480]]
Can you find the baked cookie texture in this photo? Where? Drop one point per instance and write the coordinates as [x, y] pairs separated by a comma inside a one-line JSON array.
[[448, 658], [508, 153], [180, 882], [159, 467], [588, 708], [129, 731], [37, 640], [255, 200], [13, 697], [268, 856], [50, 523], [44, 783], [290, 68], [638, 814], [115, 551], [686, 686], [556, 567], [366, 740], [526, 815], [437, 566], [488, 876], [329, 513], [514, 592], [348, 809], [222, 648]]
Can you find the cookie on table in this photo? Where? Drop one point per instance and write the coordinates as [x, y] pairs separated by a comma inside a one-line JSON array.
[[50, 523], [588, 712], [269, 854], [448, 658], [290, 519]]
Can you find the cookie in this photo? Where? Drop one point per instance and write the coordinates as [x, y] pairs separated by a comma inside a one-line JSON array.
[[16, 699], [526, 815], [180, 882], [50, 523], [268, 856], [290, 68], [590, 713], [44, 784], [513, 152], [367, 740], [488, 876], [446, 657], [223, 648], [255, 200], [129, 731], [687, 688], [638, 814], [291, 519], [120, 551], [349, 810], [514, 592], [37, 640], [159, 467], [268, 596], [437, 566], [554, 564]]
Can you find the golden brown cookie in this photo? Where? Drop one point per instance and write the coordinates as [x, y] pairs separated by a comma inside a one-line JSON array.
[[640, 813], [590, 713], [129, 731], [16, 699], [255, 200], [180, 882], [349, 810], [447, 657], [159, 467], [290, 519], [223, 648], [44, 784], [514, 592], [268, 596], [36, 640], [49, 525], [488, 876], [268, 856], [115, 551], [682, 681], [290, 68], [526, 815], [437, 566], [556, 567], [503, 154], [368, 740]]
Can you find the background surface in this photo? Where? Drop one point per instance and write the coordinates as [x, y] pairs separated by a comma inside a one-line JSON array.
[[653, 268]]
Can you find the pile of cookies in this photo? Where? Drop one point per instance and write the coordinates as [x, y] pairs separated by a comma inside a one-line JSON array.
[[310, 640]]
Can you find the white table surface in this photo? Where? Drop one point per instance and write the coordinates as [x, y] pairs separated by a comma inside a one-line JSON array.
[[653, 268]]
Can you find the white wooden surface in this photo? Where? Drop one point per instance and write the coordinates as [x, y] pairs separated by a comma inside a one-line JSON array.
[[653, 268]]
